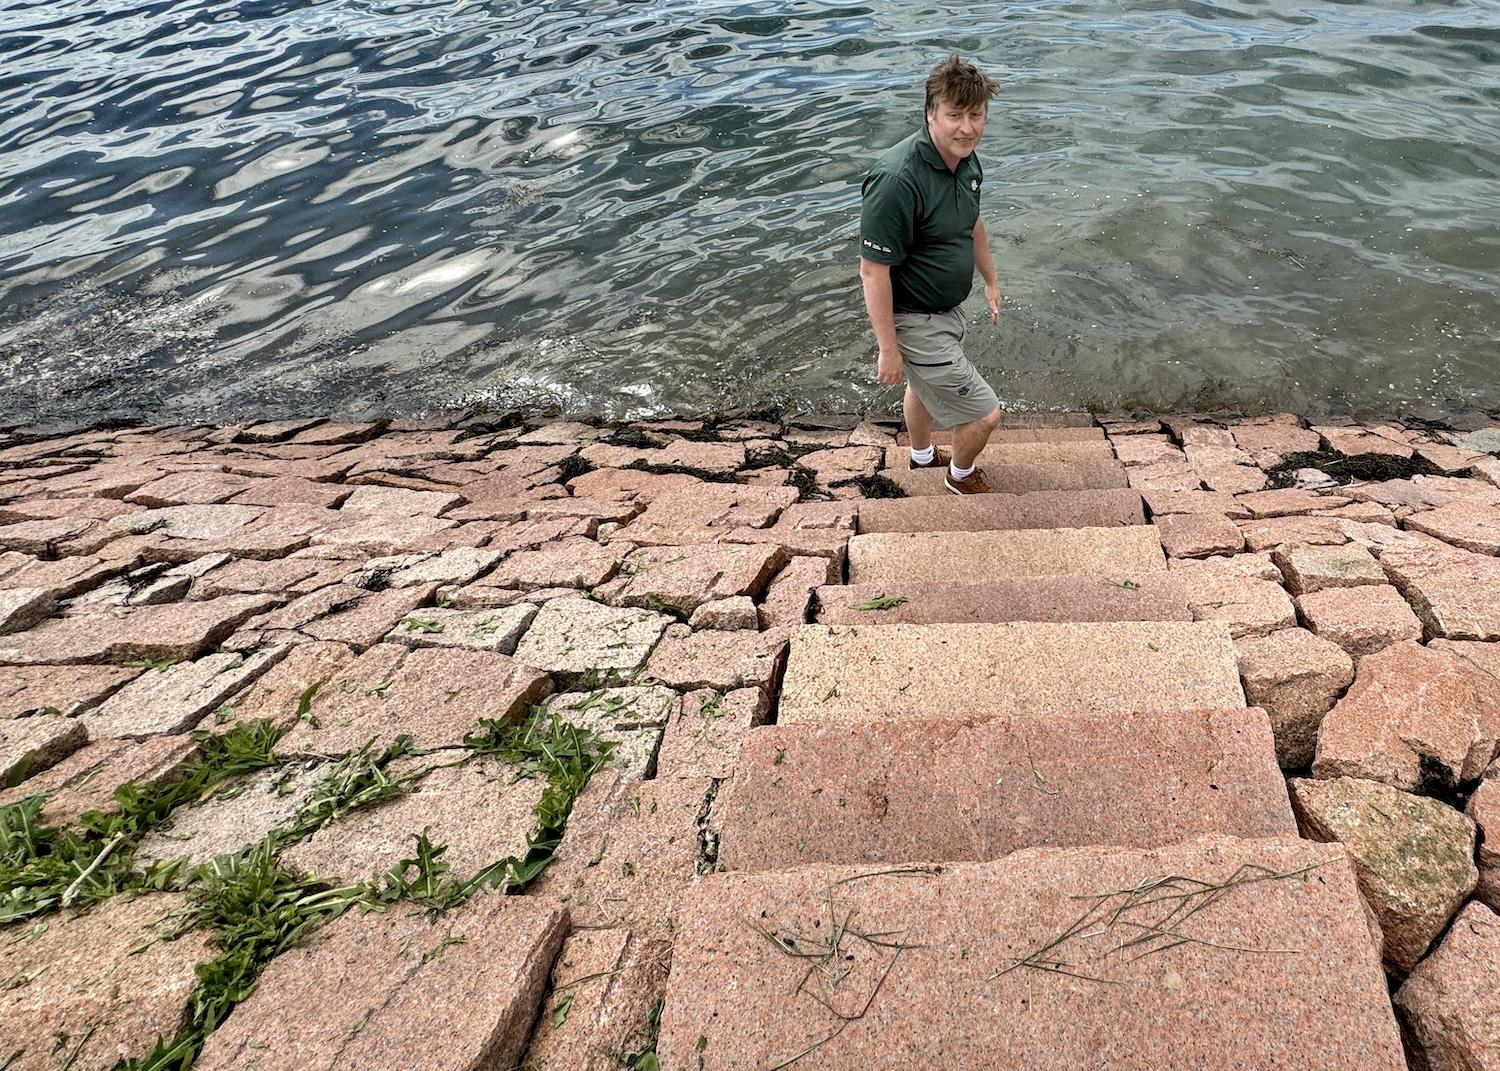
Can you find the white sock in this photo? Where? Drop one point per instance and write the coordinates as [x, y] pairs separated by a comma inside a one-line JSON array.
[[922, 457], [958, 473]]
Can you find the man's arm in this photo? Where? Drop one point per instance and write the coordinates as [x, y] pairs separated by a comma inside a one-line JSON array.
[[875, 278], [986, 265]]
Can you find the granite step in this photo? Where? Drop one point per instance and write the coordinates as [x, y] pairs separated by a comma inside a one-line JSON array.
[[1218, 953], [965, 557], [1150, 597], [1019, 477], [951, 790], [847, 673], [1022, 453], [983, 513], [1008, 434]]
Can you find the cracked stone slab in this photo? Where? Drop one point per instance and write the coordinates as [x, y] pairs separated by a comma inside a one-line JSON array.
[[460, 992], [176, 699], [239, 813], [633, 718], [20, 608], [630, 853], [571, 563], [65, 690], [92, 988], [277, 694], [481, 811], [686, 577], [1451, 1001], [573, 635], [605, 987], [86, 780], [176, 630], [29, 746], [435, 695], [1361, 620], [705, 736], [711, 658], [1295, 677], [481, 630], [1308, 569]]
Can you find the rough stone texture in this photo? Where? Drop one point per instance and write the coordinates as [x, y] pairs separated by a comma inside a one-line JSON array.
[[713, 659], [1198, 535], [569, 563], [292, 491], [435, 695], [1465, 523], [631, 718], [1355, 441], [289, 576], [686, 577], [1274, 531], [482, 811], [1455, 593], [1258, 566], [460, 565], [1451, 1002], [1308, 569], [1147, 450], [1168, 475], [480, 630], [1296, 678], [888, 792], [738, 612], [950, 557], [30, 745], [86, 780], [276, 696], [343, 613], [64, 578], [20, 608], [705, 513], [67, 690], [605, 987], [1223, 475], [90, 989], [1413, 856], [789, 597], [399, 502], [630, 853], [853, 673], [1361, 620], [177, 630], [572, 635], [704, 737], [1151, 597], [734, 999], [460, 992], [190, 488], [1414, 717], [1484, 809], [979, 513], [627, 485], [1287, 502], [176, 699], [1248, 605], [1167, 503], [240, 813], [841, 464], [1269, 444]]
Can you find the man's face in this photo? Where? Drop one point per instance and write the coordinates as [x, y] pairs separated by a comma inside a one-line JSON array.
[[956, 130]]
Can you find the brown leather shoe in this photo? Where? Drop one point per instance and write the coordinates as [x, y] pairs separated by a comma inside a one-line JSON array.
[[975, 483], [939, 460]]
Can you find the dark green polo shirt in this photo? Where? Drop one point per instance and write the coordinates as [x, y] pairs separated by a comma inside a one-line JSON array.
[[918, 217]]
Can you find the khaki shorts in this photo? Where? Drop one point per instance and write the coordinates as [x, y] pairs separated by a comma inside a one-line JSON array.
[[947, 385]]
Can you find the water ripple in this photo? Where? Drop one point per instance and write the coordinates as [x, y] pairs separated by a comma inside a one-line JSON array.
[[219, 208]]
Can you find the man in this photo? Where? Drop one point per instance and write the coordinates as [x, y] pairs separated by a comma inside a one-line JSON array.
[[920, 241]]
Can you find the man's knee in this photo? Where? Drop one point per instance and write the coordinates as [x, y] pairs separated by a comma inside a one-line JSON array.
[[990, 422]]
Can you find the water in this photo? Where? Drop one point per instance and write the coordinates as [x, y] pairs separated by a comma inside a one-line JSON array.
[[263, 207]]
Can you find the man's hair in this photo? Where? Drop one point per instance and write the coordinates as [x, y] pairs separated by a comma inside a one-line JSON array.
[[960, 83]]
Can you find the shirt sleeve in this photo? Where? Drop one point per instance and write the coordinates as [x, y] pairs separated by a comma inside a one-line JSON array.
[[887, 218]]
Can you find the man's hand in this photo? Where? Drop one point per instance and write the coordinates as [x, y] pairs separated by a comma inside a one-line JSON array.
[[888, 368], [992, 295]]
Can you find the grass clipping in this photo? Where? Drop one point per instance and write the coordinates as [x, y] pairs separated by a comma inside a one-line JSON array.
[[1150, 917]]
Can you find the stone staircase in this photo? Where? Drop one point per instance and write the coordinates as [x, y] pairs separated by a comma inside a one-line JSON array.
[[1014, 811]]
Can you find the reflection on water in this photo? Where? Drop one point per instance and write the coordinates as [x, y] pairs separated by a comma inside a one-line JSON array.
[[227, 208]]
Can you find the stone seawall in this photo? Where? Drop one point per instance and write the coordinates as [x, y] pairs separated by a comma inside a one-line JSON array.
[[738, 743]]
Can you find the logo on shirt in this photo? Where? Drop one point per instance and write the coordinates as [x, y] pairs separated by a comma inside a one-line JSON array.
[[974, 184], [876, 245]]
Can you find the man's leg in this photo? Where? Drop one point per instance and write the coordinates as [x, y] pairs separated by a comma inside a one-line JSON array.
[[969, 439], [918, 420]]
